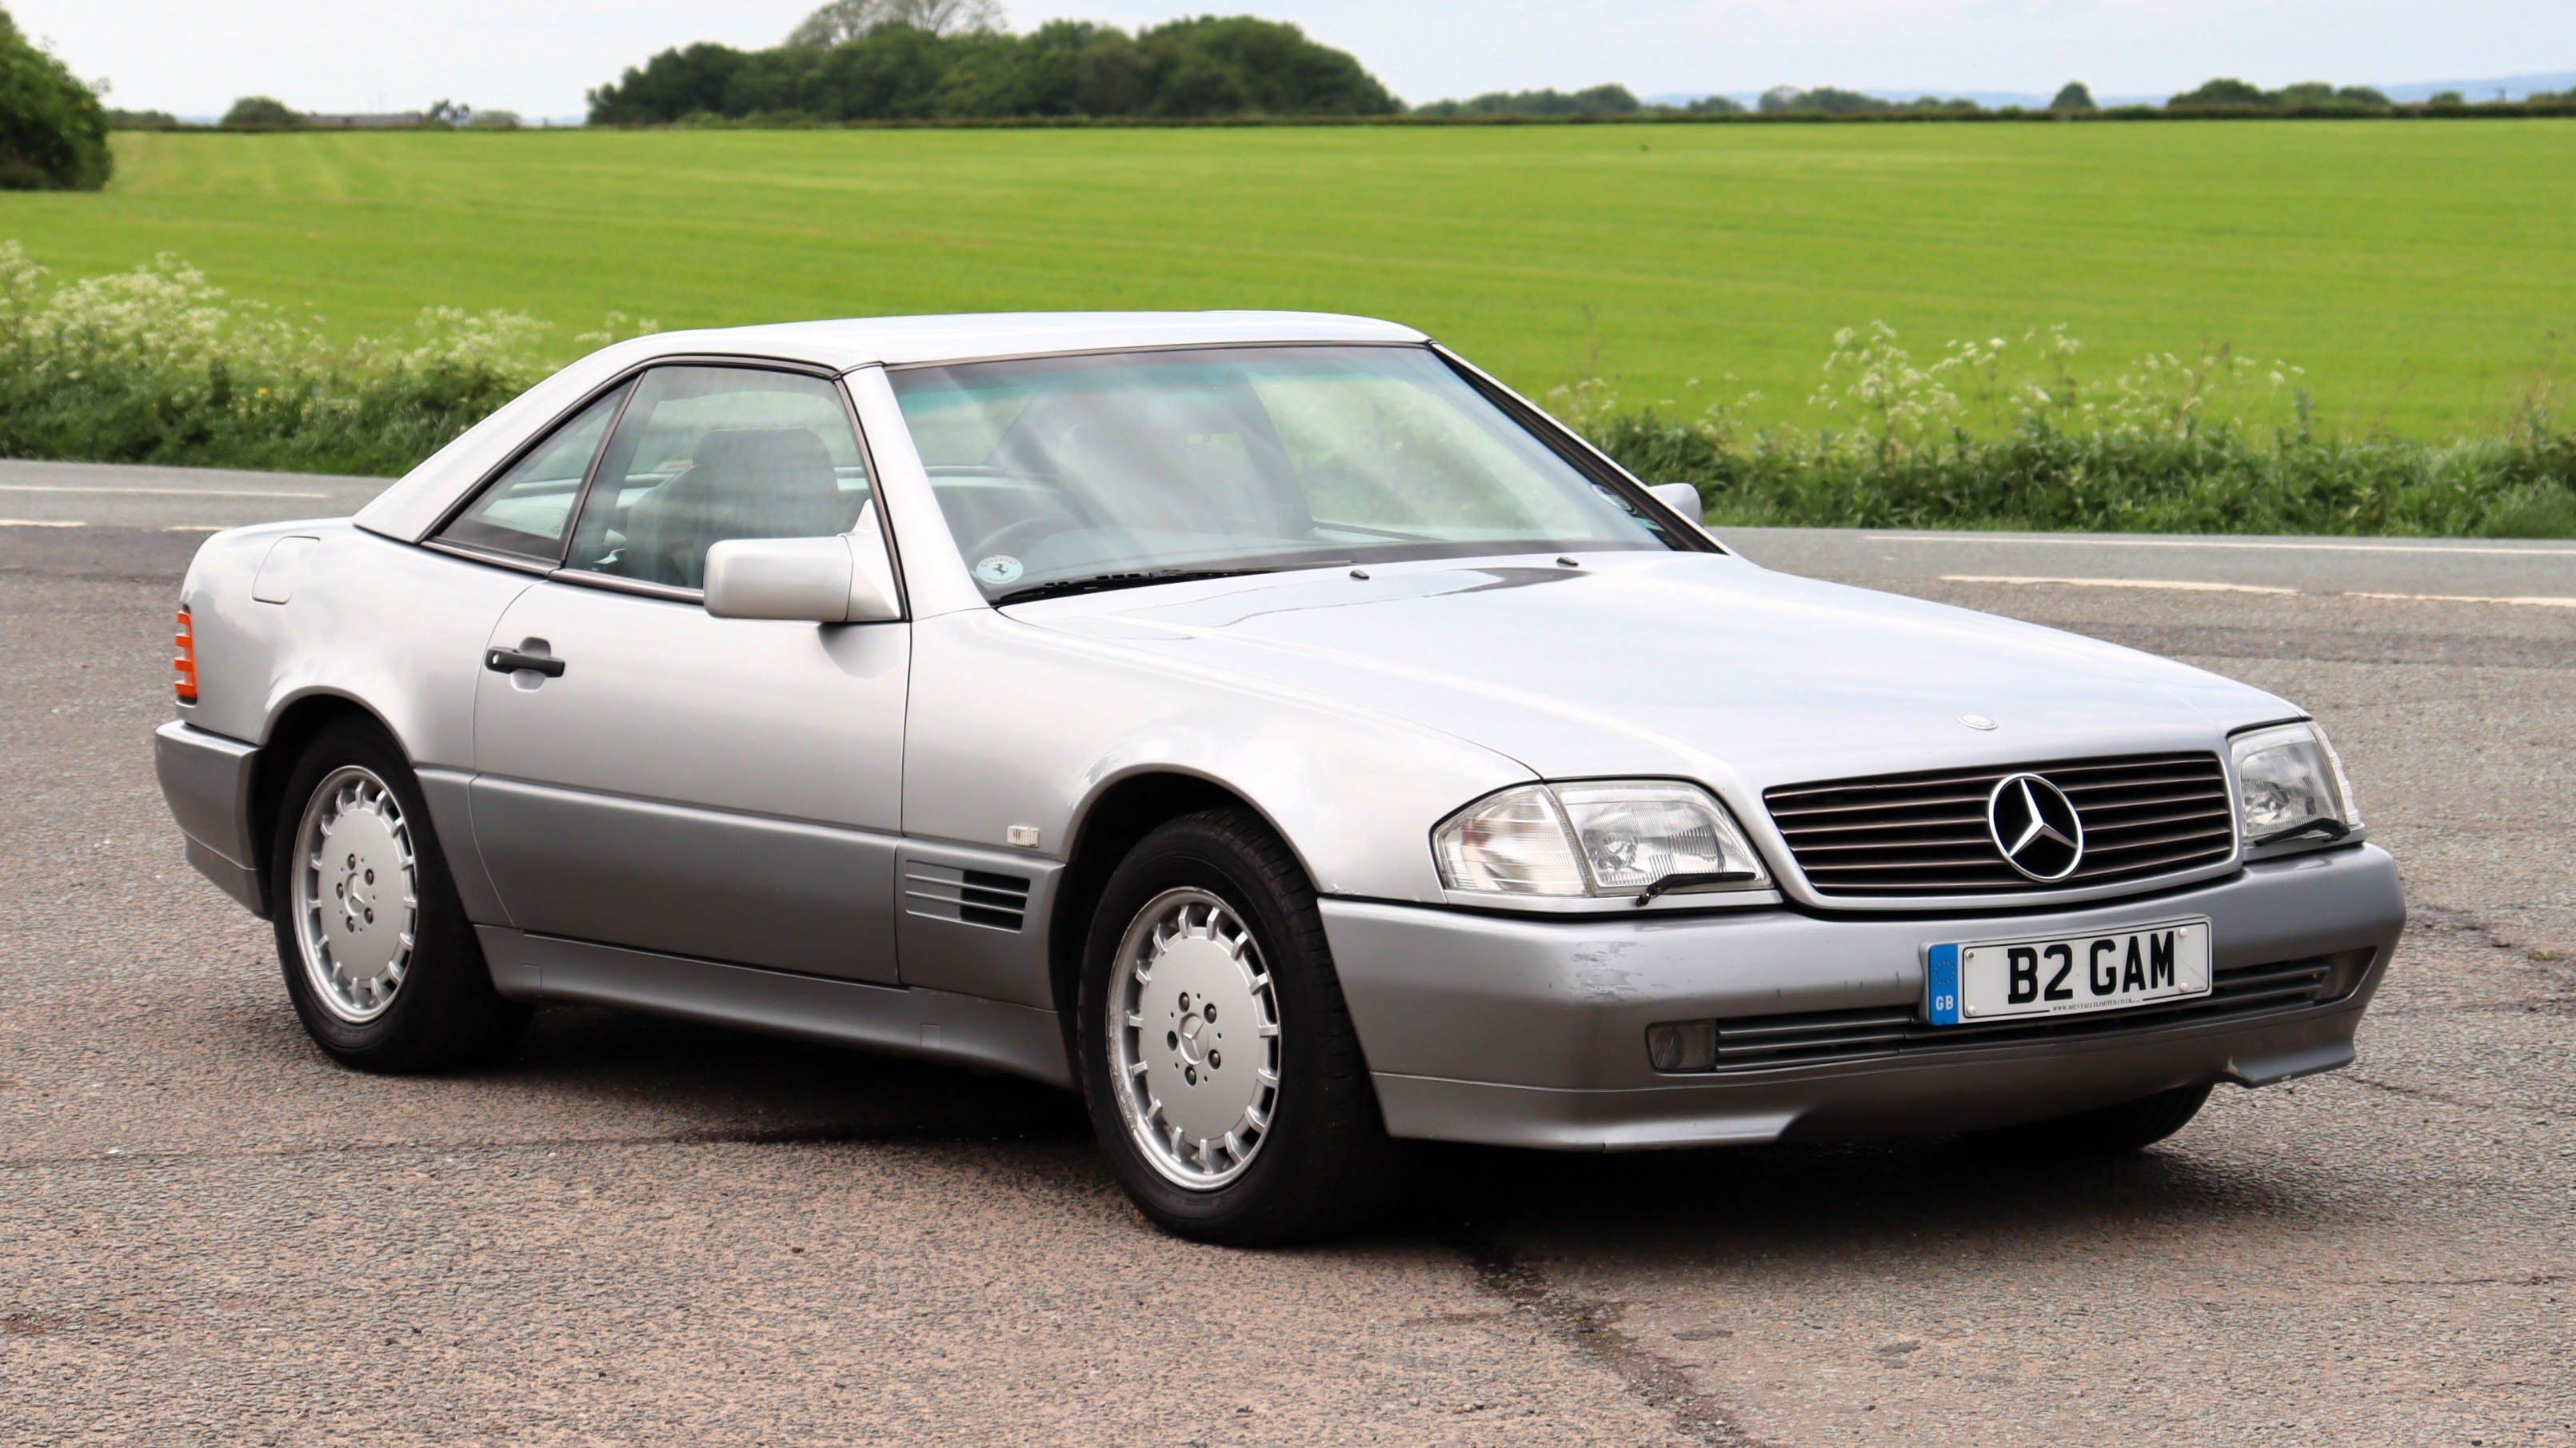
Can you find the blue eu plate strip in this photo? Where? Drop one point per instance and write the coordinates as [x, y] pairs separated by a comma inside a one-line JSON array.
[[1943, 972]]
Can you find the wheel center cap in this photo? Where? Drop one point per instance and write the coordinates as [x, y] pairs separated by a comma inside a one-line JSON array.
[[1203, 1036], [363, 916], [357, 897]]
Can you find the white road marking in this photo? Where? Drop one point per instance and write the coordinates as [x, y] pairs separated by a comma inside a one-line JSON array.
[[2082, 540], [197, 527], [155, 492], [2172, 583], [39, 523], [2466, 598]]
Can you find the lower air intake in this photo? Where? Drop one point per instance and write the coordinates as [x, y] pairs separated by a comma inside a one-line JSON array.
[[1756, 1043]]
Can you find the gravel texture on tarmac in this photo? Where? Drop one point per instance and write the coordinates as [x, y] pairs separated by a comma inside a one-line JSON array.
[[637, 1230]]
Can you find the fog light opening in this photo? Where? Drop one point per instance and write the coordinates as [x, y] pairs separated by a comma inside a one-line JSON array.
[[1682, 1046]]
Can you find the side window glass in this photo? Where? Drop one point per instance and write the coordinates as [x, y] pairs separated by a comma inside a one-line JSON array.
[[709, 453], [525, 510]]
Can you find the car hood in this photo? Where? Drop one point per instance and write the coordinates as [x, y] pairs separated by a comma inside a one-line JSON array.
[[1700, 665]]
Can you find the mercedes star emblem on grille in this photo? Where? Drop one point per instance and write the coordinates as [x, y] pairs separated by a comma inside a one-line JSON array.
[[2036, 827]]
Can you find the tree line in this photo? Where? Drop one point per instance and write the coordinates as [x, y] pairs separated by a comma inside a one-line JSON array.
[[943, 59], [2221, 96]]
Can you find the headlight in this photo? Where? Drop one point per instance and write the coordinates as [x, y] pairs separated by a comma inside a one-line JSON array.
[[2290, 786], [1640, 837]]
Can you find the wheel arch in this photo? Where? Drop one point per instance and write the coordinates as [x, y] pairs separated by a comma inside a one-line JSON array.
[[1118, 815], [290, 729]]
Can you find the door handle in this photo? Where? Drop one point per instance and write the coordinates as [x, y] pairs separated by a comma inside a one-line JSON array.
[[510, 661]]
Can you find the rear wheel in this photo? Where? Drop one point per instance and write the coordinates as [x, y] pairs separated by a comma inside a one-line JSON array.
[[379, 959], [1219, 1062], [2108, 1130]]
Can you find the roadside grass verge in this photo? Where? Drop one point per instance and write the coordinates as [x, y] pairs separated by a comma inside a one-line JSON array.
[[2216, 480], [2005, 434], [158, 365]]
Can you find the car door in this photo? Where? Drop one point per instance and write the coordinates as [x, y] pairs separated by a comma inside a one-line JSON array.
[[648, 775]]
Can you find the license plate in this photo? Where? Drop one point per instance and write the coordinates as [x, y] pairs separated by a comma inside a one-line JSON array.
[[2056, 975]]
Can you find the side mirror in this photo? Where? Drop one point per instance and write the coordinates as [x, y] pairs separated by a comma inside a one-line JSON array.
[[811, 580], [1682, 498]]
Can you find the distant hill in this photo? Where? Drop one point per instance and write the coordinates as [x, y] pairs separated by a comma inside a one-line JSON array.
[[2514, 87]]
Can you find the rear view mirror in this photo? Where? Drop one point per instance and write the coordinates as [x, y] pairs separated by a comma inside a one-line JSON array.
[[1682, 498], [814, 580]]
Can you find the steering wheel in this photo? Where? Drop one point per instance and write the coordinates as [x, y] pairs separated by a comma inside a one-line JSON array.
[[1011, 538]]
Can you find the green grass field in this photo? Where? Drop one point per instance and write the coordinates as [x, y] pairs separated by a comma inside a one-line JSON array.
[[2424, 274]]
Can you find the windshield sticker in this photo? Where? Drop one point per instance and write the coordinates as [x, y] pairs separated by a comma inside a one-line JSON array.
[[999, 569]]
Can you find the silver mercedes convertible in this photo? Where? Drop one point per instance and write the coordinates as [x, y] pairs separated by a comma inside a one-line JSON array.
[[1265, 724]]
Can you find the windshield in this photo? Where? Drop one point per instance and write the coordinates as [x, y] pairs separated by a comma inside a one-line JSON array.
[[1064, 473]]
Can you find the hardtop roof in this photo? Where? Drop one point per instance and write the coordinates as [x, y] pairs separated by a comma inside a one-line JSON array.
[[902, 341], [414, 504]]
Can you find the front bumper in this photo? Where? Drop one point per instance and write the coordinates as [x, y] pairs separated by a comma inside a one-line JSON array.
[[1531, 1031], [207, 780]]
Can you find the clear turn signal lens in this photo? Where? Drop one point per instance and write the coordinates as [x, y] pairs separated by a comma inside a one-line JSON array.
[[1513, 843]]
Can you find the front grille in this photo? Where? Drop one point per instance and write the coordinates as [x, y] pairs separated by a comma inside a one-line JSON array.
[[974, 897], [1926, 834], [1753, 1043]]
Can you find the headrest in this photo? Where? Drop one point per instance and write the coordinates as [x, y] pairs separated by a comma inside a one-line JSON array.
[[766, 457]]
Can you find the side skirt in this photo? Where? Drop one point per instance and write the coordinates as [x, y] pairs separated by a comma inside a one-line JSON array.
[[933, 1025]]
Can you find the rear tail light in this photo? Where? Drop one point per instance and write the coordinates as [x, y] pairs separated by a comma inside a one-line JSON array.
[[184, 679]]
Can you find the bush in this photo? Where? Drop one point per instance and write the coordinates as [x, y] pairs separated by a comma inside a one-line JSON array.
[[1974, 440], [1826, 100], [2074, 96], [53, 131], [262, 111], [2314, 95], [2222, 93], [1207, 67], [1823, 100], [155, 365], [1599, 100], [2222, 480]]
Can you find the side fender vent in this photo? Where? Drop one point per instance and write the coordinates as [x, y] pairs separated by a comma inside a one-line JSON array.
[[970, 897]]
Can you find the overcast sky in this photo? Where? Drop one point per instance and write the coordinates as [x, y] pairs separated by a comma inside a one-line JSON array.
[[538, 56]]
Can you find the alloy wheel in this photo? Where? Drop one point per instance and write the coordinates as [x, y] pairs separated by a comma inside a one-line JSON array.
[[1194, 1039], [356, 894]]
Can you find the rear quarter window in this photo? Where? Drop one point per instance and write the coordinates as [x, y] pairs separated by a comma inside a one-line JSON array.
[[526, 511]]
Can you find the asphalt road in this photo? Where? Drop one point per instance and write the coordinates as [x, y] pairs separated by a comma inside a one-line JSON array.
[[641, 1231]]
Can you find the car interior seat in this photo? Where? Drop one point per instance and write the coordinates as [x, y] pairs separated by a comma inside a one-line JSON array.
[[773, 482]]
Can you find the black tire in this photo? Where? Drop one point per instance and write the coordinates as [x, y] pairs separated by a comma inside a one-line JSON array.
[[444, 1011], [2106, 1131], [1324, 1165]]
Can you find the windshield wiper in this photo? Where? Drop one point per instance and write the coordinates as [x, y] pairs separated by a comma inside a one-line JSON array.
[[1682, 882], [1139, 577], [2329, 828]]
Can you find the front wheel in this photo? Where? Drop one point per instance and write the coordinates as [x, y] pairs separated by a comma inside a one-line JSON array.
[[1219, 1061], [380, 961]]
